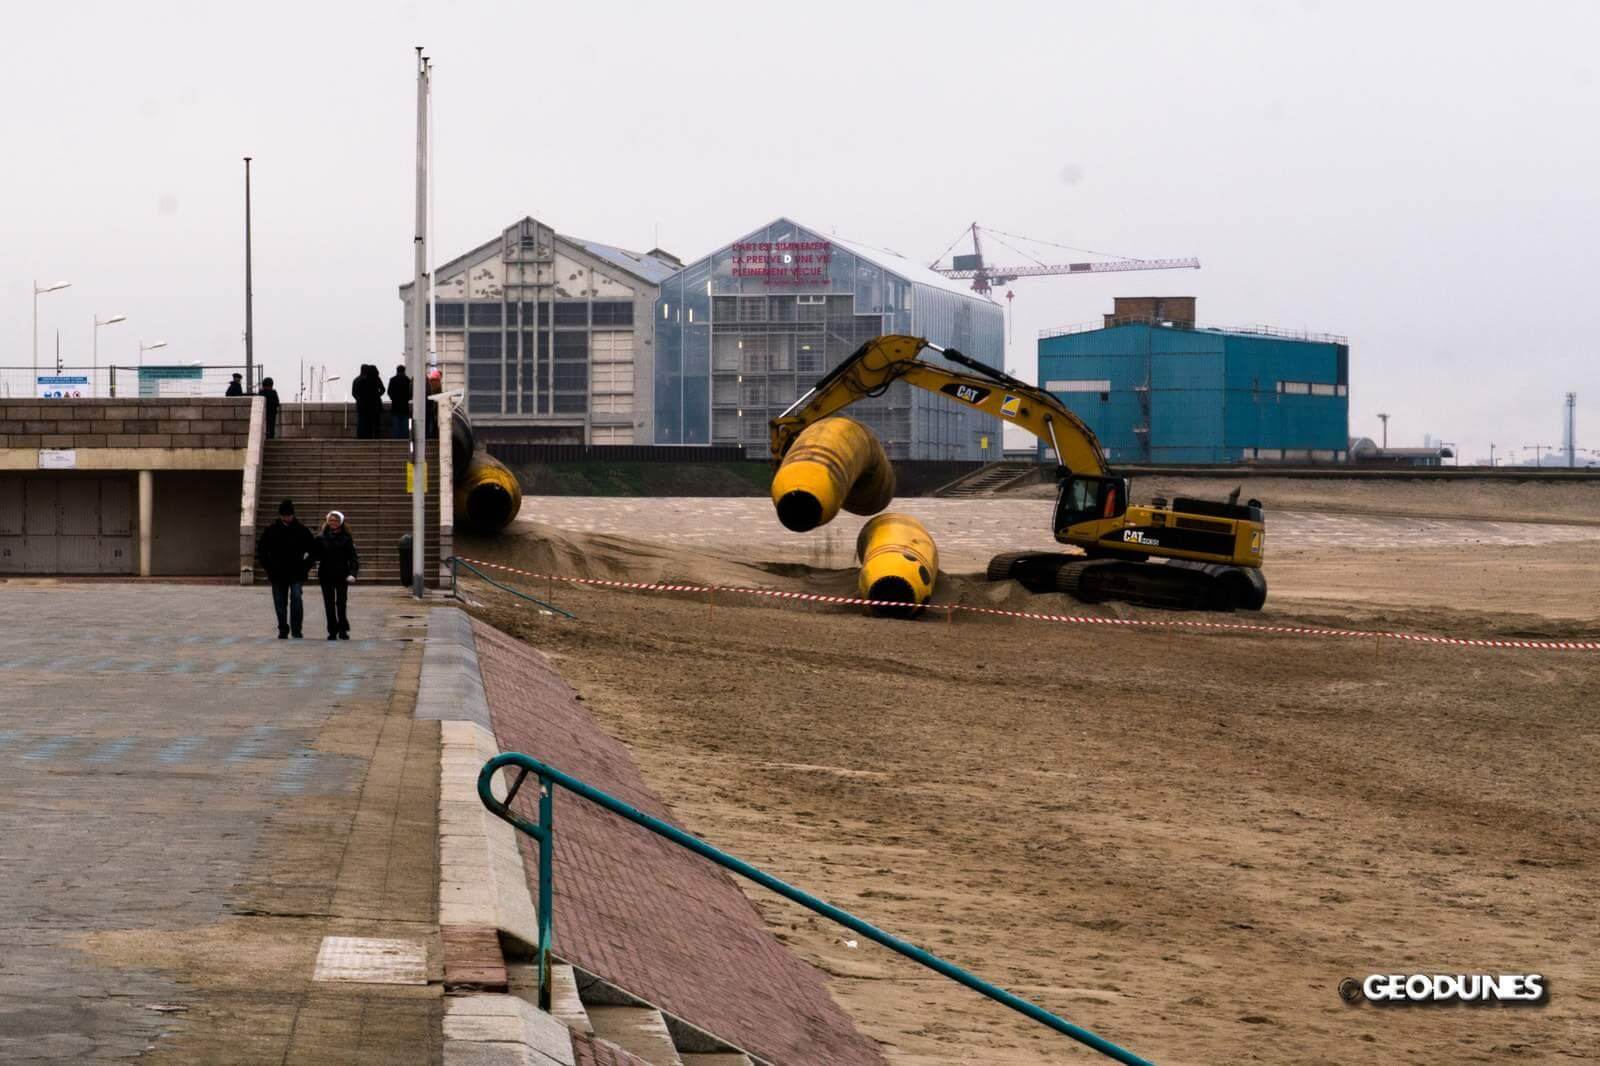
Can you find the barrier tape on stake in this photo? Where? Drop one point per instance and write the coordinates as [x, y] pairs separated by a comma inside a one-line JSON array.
[[1071, 619]]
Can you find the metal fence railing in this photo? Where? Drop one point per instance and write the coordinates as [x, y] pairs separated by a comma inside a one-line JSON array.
[[150, 381], [548, 778]]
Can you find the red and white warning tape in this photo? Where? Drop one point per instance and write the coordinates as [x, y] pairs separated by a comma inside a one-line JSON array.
[[1078, 619]]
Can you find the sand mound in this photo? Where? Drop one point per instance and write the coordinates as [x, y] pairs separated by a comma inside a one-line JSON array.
[[1566, 502]]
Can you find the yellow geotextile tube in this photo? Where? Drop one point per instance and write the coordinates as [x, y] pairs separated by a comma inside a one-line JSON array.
[[899, 563], [488, 497], [834, 463]]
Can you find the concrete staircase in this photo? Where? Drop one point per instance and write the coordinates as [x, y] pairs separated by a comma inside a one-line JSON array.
[[365, 479], [632, 1031], [988, 479]]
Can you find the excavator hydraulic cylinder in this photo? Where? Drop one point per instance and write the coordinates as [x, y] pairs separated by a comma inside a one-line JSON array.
[[836, 462], [488, 497], [899, 563]]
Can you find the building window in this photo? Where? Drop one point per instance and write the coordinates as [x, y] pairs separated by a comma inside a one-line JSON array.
[[613, 312], [483, 373], [483, 313], [572, 312], [1101, 385], [450, 314]]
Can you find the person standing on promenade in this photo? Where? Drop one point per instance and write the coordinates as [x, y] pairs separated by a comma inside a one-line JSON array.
[[272, 408], [400, 403], [284, 552], [337, 566]]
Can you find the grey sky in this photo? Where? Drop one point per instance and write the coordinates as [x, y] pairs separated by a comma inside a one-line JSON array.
[[1421, 177]]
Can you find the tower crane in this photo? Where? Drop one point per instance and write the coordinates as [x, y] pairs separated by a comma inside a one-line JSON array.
[[985, 276]]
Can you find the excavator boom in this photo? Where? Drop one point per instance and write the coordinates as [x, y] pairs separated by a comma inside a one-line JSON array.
[[884, 360], [1213, 549]]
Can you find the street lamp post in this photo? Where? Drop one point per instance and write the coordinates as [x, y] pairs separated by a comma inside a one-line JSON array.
[[1384, 418], [94, 374], [38, 292]]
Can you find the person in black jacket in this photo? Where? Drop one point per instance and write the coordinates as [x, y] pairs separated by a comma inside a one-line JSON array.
[[272, 409], [337, 566], [284, 552], [367, 389], [400, 403], [236, 386]]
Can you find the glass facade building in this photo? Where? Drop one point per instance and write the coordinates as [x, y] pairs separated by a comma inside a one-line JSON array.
[[743, 332]]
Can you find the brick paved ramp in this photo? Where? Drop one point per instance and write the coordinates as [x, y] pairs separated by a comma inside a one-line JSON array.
[[643, 914], [187, 807]]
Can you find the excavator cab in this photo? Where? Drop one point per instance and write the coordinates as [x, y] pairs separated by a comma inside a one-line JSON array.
[[1085, 498]]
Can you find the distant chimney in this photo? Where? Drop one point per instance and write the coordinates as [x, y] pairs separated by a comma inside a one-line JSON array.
[[1176, 311]]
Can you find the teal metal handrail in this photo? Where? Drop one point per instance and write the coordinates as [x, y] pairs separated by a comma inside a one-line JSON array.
[[544, 830], [456, 562]]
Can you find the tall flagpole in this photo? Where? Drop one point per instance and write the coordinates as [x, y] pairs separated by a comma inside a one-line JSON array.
[[249, 298], [419, 381]]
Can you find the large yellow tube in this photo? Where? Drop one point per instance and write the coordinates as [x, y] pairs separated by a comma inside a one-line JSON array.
[[488, 497], [899, 563], [834, 463]]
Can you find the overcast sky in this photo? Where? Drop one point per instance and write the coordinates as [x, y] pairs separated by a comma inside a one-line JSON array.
[[1424, 178]]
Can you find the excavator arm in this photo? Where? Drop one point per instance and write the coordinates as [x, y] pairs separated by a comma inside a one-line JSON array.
[[1211, 550], [884, 360]]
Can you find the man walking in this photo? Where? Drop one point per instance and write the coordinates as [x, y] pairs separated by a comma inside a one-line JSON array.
[[400, 403], [284, 552]]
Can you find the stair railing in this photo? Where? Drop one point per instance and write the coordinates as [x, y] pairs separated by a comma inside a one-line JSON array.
[[544, 830]]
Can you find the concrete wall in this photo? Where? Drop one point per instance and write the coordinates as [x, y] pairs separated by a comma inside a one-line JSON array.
[[195, 523], [186, 423]]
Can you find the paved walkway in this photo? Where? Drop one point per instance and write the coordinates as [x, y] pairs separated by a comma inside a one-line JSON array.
[[969, 531], [188, 806]]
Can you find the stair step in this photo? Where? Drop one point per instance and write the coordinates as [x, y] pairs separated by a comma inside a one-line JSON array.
[[564, 1001], [716, 1058], [638, 1030]]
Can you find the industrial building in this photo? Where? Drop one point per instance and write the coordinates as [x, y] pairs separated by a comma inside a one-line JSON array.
[[742, 332], [1157, 388], [550, 336]]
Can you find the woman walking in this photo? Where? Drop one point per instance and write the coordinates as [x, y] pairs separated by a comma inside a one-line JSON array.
[[337, 566]]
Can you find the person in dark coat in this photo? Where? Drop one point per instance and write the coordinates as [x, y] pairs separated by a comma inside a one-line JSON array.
[[367, 389], [400, 403], [285, 552], [337, 566], [272, 408], [236, 386]]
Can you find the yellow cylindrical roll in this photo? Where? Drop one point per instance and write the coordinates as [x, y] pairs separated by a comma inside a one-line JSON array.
[[899, 563], [488, 497], [834, 463]]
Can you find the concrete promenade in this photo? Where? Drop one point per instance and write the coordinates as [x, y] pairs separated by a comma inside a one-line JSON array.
[[189, 806]]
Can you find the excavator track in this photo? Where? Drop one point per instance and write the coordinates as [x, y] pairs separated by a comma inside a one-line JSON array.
[[1172, 585]]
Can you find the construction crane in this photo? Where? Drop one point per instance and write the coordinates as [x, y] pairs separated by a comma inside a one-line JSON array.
[[984, 277]]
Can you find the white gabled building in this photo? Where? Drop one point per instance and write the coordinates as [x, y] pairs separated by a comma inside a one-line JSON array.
[[551, 336]]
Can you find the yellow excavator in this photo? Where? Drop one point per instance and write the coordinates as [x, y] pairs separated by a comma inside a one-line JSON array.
[[1211, 550]]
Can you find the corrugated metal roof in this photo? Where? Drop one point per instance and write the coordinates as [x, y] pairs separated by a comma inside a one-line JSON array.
[[639, 264], [906, 268]]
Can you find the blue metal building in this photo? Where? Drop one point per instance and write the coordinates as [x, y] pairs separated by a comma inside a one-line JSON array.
[[1166, 392]]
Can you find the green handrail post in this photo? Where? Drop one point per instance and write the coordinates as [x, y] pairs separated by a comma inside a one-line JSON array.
[[549, 777], [456, 560]]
